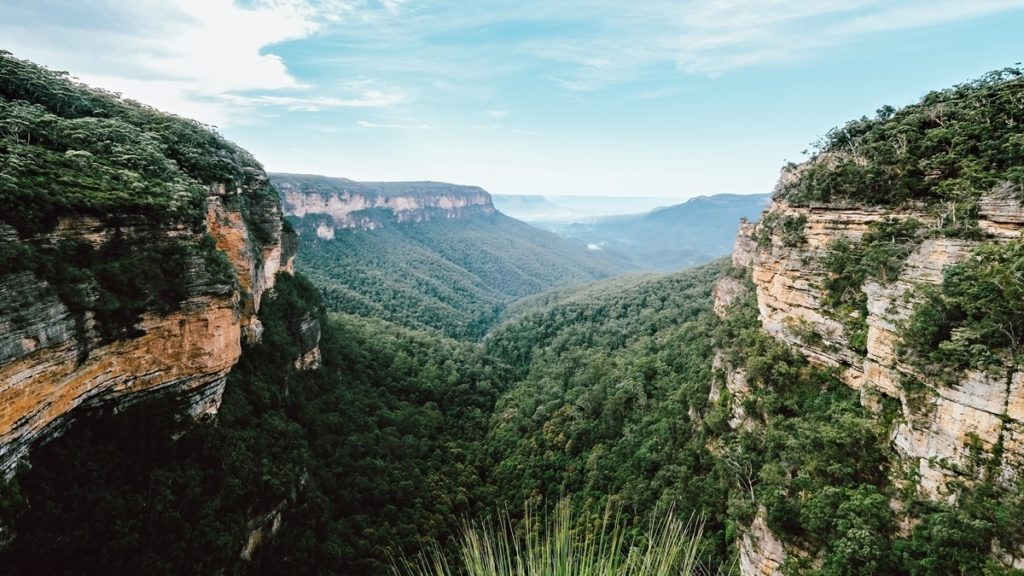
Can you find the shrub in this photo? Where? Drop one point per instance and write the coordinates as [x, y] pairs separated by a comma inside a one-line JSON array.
[[946, 150], [975, 319]]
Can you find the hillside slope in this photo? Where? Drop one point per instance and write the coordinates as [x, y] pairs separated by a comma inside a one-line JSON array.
[[674, 237], [431, 255]]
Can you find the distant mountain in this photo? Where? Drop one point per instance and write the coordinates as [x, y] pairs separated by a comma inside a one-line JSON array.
[[426, 255], [555, 212], [532, 208], [674, 237]]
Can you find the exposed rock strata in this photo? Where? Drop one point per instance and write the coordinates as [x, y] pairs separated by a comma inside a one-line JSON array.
[[309, 343], [788, 282], [52, 361], [761, 552], [346, 204], [940, 423]]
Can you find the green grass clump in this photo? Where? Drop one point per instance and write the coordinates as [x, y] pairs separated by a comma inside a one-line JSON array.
[[560, 547]]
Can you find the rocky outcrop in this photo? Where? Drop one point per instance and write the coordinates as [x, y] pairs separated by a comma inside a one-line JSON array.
[[940, 423], [309, 343], [255, 263], [761, 552], [53, 361], [263, 528], [339, 203]]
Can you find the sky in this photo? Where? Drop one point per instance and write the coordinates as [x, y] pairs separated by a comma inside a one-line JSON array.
[[665, 98]]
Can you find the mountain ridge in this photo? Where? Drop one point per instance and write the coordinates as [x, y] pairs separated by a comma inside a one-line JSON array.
[[341, 203]]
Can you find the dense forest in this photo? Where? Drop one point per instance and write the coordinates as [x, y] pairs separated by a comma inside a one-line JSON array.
[[605, 398], [452, 276]]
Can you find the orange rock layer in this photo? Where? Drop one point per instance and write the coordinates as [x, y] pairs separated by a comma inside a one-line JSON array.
[[51, 363]]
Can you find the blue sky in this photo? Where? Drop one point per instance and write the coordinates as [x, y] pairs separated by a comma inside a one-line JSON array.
[[587, 97]]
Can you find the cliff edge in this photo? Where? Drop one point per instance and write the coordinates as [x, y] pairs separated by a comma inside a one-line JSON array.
[[340, 203], [135, 248], [894, 258]]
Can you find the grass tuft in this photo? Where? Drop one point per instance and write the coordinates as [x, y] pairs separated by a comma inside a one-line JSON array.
[[557, 547]]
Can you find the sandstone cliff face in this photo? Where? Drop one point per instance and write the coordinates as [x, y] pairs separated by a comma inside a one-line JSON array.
[[346, 204], [788, 280], [939, 425], [53, 361]]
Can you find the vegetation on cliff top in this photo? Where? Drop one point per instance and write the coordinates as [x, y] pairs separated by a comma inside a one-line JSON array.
[[946, 150], [68, 150]]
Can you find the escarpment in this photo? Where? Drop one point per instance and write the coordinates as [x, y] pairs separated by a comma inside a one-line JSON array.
[[942, 424], [55, 359], [340, 203], [886, 261], [135, 266], [792, 273]]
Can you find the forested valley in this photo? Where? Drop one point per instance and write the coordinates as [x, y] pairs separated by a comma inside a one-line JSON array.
[[462, 376]]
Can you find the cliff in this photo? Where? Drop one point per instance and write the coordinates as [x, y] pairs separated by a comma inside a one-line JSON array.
[[937, 432], [53, 360], [889, 263], [340, 203], [135, 248], [940, 425]]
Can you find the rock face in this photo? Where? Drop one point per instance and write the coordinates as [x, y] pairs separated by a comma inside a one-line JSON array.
[[341, 203], [940, 423], [761, 552], [788, 280], [53, 361], [309, 343]]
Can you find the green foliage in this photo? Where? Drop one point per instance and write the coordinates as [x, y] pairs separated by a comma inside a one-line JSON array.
[[395, 422], [605, 387], [379, 448], [948, 541], [975, 319], [816, 460], [561, 547], [946, 150], [598, 396], [789, 228], [879, 256], [70, 151], [451, 276]]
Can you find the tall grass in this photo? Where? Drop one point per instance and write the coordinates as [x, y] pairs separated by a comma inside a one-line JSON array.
[[558, 548]]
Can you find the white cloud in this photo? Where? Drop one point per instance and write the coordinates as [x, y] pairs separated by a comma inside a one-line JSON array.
[[605, 42], [367, 99], [392, 126], [219, 60], [199, 58], [727, 35]]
